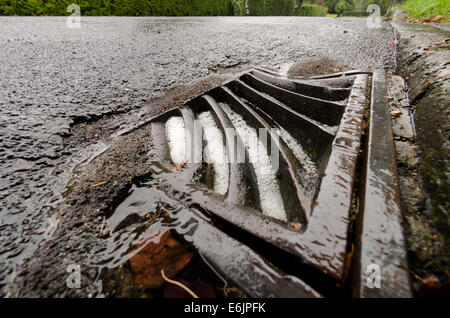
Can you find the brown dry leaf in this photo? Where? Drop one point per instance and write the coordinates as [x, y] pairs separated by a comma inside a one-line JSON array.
[[413, 36], [396, 113], [168, 254], [431, 281], [178, 166], [437, 18], [430, 286], [296, 225], [348, 264], [393, 43]]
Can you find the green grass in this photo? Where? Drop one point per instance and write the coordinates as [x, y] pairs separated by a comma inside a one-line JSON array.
[[421, 9], [331, 15]]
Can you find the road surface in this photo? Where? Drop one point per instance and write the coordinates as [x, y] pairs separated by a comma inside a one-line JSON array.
[[52, 76]]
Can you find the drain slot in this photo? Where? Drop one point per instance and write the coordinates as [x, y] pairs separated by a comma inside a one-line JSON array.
[[176, 138], [269, 190], [215, 152]]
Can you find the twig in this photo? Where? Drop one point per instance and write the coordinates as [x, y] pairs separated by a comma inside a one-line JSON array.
[[388, 12], [414, 274], [99, 184], [178, 284]]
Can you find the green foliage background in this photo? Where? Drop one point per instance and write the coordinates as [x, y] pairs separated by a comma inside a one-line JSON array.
[[271, 7], [339, 6], [124, 7], [428, 8], [313, 10], [148, 7], [210, 7]]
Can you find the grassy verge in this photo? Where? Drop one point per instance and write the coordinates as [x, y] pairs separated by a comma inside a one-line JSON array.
[[428, 10]]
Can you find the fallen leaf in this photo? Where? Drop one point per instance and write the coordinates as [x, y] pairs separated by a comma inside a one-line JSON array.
[[345, 31], [430, 286], [348, 263], [296, 225], [396, 113], [393, 43], [413, 36], [169, 254], [178, 166]]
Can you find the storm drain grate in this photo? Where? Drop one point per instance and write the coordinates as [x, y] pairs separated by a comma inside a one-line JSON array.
[[275, 160]]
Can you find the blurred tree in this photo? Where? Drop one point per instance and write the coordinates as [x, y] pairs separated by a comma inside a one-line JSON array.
[[280, 7], [343, 5], [299, 7]]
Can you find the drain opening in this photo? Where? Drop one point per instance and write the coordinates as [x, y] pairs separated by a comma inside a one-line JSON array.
[[269, 190], [176, 137], [293, 215], [215, 152]]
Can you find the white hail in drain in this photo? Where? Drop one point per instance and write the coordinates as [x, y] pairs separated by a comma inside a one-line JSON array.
[[176, 138], [270, 195], [215, 152]]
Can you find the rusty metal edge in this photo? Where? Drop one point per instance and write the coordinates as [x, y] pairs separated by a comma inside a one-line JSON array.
[[379, 233], [329, 219]]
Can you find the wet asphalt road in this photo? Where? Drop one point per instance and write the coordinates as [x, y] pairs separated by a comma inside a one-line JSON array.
[[52, 76]]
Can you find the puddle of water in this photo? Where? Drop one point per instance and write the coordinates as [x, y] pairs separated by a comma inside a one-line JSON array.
[[141, 220], [215, 152], [270, 195], [176, 138]]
